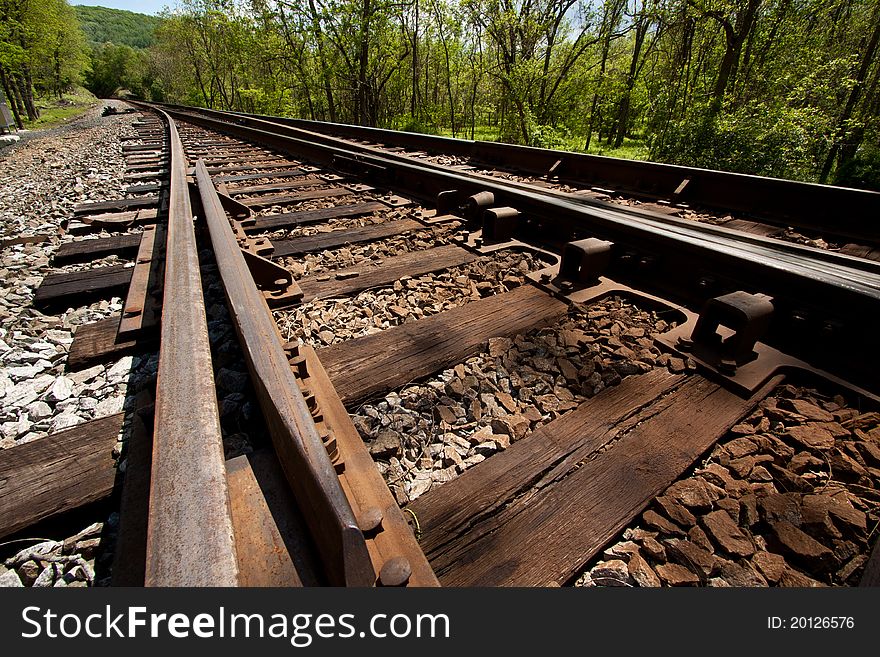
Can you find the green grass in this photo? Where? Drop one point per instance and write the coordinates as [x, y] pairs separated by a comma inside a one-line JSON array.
[[631, 149], [54, 112]]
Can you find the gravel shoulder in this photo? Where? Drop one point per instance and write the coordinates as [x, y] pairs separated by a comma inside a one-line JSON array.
[[42, 178]]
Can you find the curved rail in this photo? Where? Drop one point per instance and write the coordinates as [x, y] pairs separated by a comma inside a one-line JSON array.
[[317, 133], [829, 209], [822, 307], [190, 536]]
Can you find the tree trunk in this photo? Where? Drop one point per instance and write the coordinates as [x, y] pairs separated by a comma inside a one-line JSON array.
[[415, 65], [608, 23], [735, 36], [26, 93], [623, 110], [363, 61], [854, 96], [12, 103]]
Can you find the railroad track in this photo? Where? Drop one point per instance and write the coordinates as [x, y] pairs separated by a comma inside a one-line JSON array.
[[759, 206], [460, 380]]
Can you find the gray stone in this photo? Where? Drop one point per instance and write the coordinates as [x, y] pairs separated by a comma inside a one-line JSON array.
[[22, 394], [84, 376], [109, 406], [24, 372], [65, 421], [419, 486], [39, 410], [61, 389], [47, 577], [5, 384], [232, 380], [10, 579], [120, 370]]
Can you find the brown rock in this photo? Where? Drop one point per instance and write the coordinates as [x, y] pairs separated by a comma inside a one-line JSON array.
[[386, 445], [742, 466], [698, 537], [717, 474], [793, 578], [739, 574], [621, 551], [515, 426], [655, 521], [763, 488], [846, 467], [445, 414], [771, 565], [742, 429], [694, 493], [847, 571], [569, 371], [691, 556], [611, 573], [773, 445], [28, 572], [781, 506], [641, 572], [805, 461], [807, 409], [723, 530], [870, 451], [506, 401], [835, 429], [812, 436], [840, 509], [673, 574], [748, 510], [816, 518], [788, 479], [676, 512], [499, 346], [654, 548], [760, 473], [731, 506], [740, 447], [844, 549], [802, 547]]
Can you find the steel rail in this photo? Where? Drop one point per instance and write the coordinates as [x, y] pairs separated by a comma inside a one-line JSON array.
[[847, 275], [822, 310], [189, 535], [829, 209], [649, 217], [300, 449]]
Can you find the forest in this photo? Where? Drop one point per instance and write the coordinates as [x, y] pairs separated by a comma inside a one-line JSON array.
[[42, 50], [787, 88]]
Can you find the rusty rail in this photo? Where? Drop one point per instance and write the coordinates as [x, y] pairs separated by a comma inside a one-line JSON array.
[[301, 451], [190, 535]]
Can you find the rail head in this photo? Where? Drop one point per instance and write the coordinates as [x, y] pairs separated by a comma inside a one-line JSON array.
[[294, 433], [190, 539]]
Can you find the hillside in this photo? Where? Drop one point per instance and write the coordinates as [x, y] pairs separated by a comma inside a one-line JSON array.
[[102, 24]]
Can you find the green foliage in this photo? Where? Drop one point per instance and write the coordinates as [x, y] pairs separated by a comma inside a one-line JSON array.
[[54, 112], [863, 170], [124, 28], [769, 87], [42, 49], [118, 69], [757, 138]]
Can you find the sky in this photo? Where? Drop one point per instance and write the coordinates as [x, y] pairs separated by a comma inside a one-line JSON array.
[[141, 6]]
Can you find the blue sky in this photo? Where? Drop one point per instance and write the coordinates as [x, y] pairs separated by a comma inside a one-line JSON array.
[[140, 6]]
